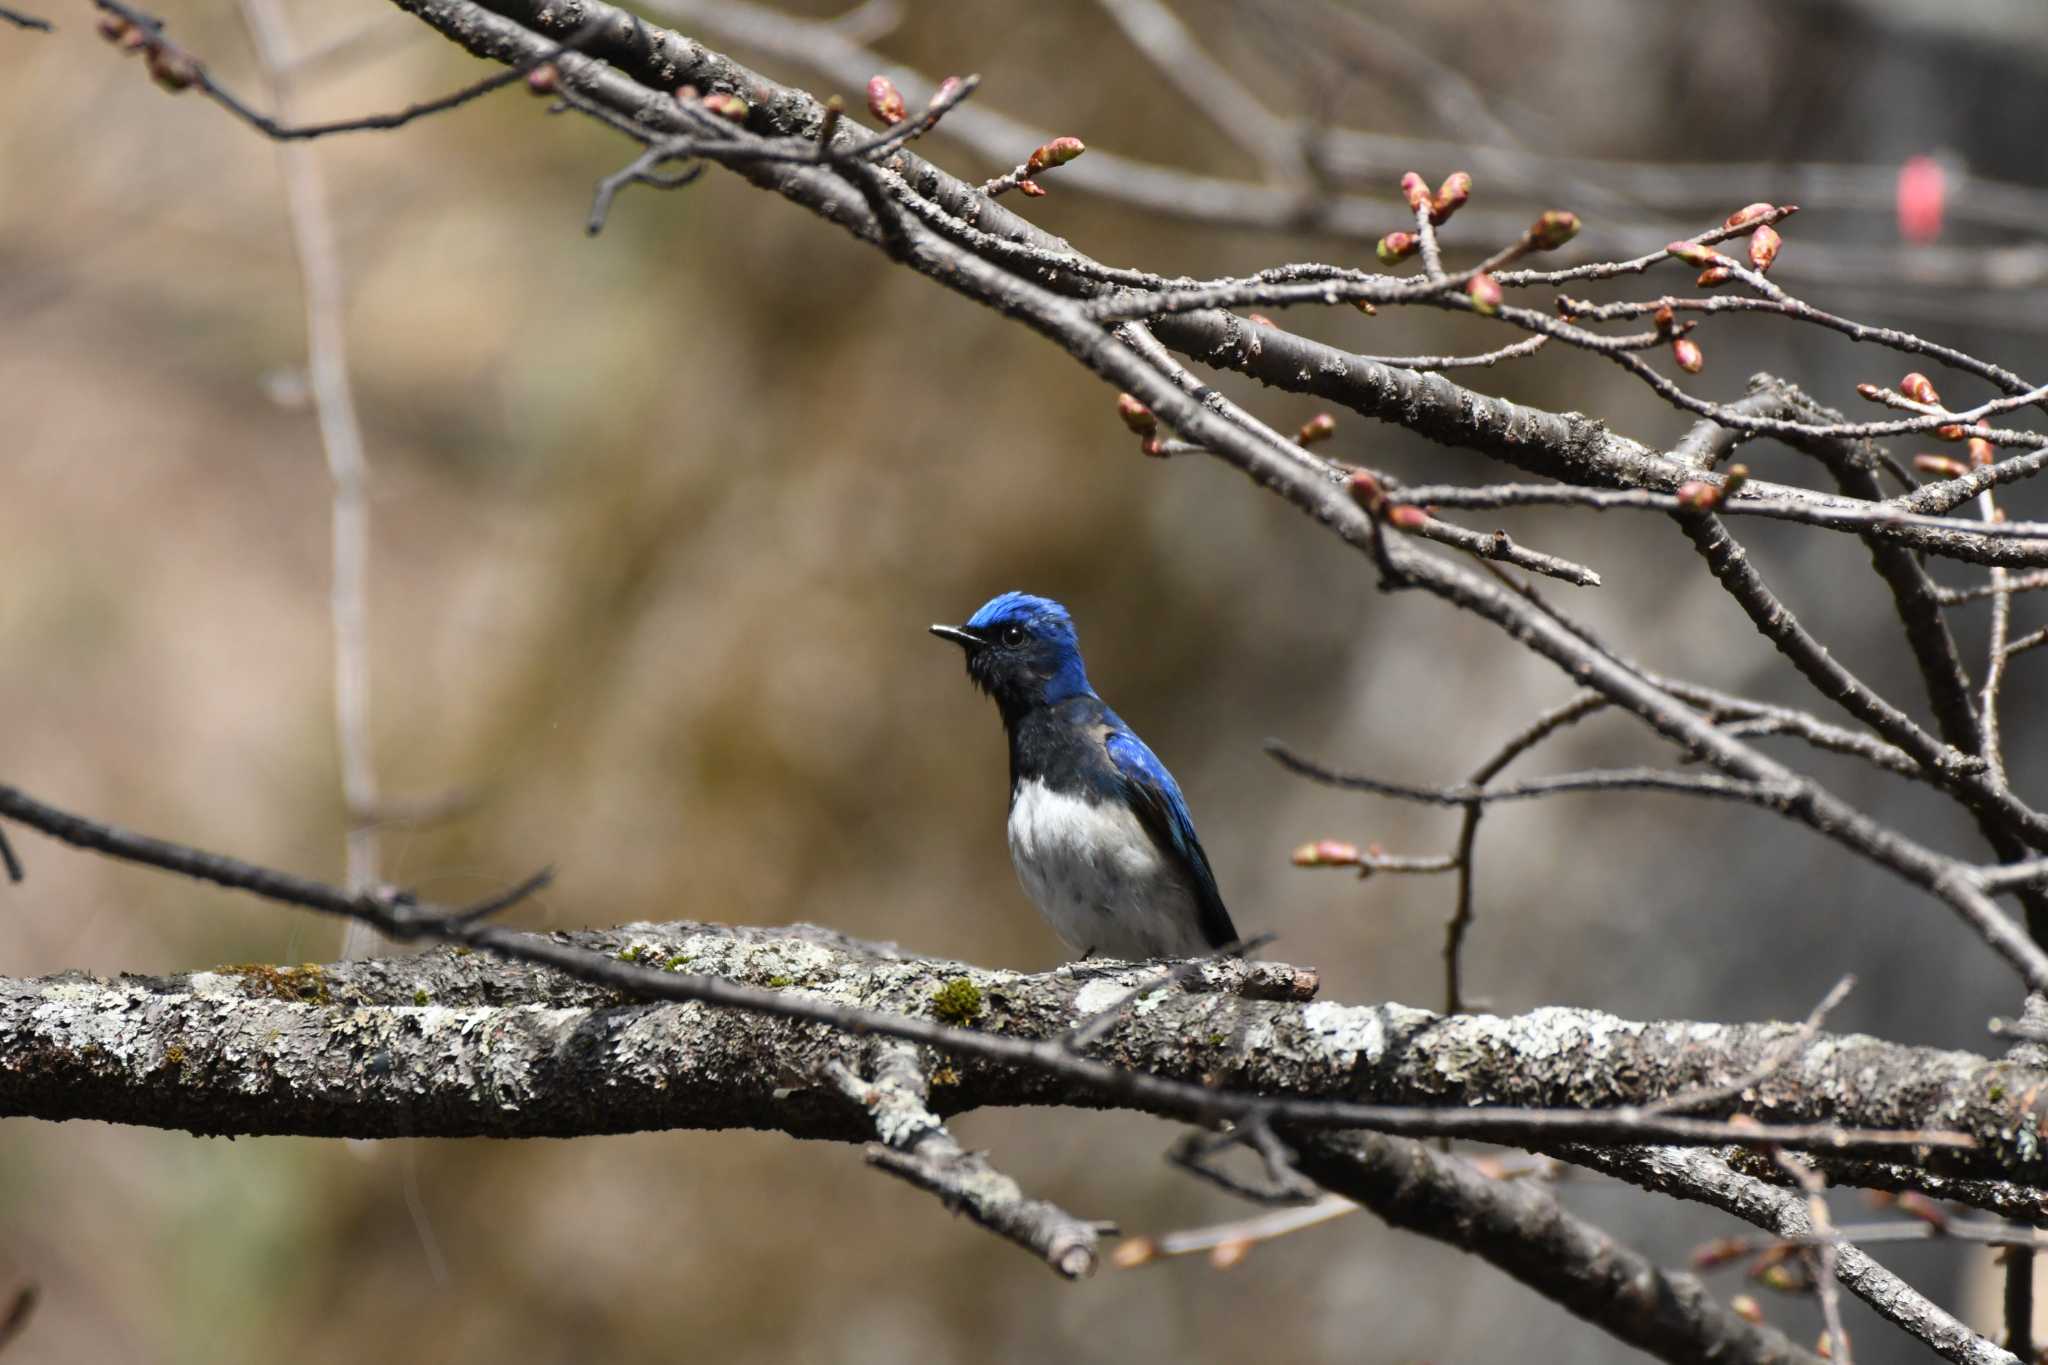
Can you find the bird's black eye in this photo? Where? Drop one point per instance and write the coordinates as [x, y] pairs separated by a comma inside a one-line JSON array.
[[1013, 635]]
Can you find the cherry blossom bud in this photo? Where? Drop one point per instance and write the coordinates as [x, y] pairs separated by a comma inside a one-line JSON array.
[[1738, 475], [1940, 465], [1870, 391], [1743, 1306], [1714, 275], [885, 101], [1365, 306], [1663, 317], [1136, 415], [1698, 495], [1747, 214], [1687, 353], [1982, 452], [543, 80], [1320, 427], [1553, 229], [1365, 490], [1484, 291], [1921, 198], [1763, 246], [1031, 189], [1415, 190], [729, 107], [1952, 432], [174, 71], [1408, 518], [1326, 853], [1057, 152], [1457, 188], [1920, 389], [948, 88], [1133, 1252], [1692, 253], [1397, 247], [1154, 447]]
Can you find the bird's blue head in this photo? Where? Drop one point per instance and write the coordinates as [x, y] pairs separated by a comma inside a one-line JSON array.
[[1022, 651]]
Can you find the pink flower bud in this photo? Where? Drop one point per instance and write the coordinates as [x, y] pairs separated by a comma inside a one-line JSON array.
[[1922, 197], [1365, 490], [1940, 465], [1664, 317], [1982, 452], [1484, 291], [1746, 1307], [1408, 518], [1057, 152], [1692, 253], [543, 80], [729, 107], [1320, 427], [1920, 389], [1763, 246], [1136, 415], [1687, 353], [1747, 214], [1031, 189], [1701, 497], [1457, 188], [1951, 432], [1365, 306], [1714, 275], [885, 101], [1326, 853], [1870, 391], [1553, 230], [1415, 190], [1397, 247]]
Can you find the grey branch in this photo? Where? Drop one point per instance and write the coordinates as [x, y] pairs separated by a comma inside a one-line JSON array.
[[916, 1146], [458, 1043]]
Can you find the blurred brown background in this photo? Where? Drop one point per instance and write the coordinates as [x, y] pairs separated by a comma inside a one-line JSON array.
[[659, 520]]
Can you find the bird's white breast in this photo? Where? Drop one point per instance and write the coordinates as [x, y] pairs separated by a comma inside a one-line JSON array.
[[1097, 877]]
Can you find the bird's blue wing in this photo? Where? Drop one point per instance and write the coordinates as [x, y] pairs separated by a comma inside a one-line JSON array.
[[1156, 798]]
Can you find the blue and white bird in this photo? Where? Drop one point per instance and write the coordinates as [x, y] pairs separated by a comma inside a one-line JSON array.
[[1099, 831]]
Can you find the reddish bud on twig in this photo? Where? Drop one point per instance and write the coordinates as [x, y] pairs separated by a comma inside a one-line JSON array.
[[1260, 319], [1713, 276], [1031, 189], [1408, 518], [543, 80], [1057, 152], [1718, 1252], [1825, 1346], [174, 71], [1982, 452], [1763, 246], [1366, 491], [1952, 432], [1415, 190], [1746, 1307], [1746, 215], [1942, 465], [729, 107], [1553, 229], [1920, 389], [1397, 247], [1687, 353], [947, 89], [885, 101], [1663, 318], [1326, 853], [1320, 427], [1738, 475], [1692, 253], [1133, 1252], [1484, 291], [1698, 495], [1870, 391], [114, 28], [1154, 447], [1365, 306], [1136, 415], [1457, 188]]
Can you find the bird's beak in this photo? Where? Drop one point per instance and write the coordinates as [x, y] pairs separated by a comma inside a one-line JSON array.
[[963, 638]]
